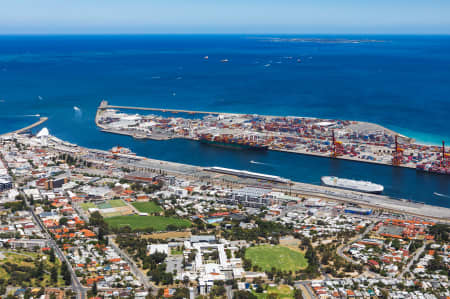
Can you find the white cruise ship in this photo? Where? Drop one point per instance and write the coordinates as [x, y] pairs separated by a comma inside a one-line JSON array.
[[361, 186]]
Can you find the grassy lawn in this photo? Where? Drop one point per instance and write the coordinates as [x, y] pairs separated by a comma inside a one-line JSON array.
[[282, 291], [27, 259], [104, 205], [279, 257], [112, 214], [87, 205], [115, 203], [147, 207], [158, 223], [176, 252]]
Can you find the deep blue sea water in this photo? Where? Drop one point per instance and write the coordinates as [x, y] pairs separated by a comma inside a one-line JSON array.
[[401, 82]]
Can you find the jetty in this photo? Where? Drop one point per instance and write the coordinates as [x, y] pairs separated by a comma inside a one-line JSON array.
[[105, 105], [38, 123]]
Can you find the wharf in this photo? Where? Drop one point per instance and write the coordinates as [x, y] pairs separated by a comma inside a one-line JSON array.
[[137, 136], [387, 203], [327, 155], [192, 172], [104, 105]]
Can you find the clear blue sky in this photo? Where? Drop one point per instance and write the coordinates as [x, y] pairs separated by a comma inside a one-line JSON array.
[[225, 16]]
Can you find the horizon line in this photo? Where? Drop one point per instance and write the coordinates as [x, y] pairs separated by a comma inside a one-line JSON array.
[[219, 33]]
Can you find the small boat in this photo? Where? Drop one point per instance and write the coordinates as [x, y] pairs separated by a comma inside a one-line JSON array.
[[224, 60], [206, 57]]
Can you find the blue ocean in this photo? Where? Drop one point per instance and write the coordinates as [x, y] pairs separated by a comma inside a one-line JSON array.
[[401, 82]]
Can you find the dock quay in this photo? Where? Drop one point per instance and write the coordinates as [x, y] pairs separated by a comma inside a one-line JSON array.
[[136, 135], [327, 138], [233, 178]]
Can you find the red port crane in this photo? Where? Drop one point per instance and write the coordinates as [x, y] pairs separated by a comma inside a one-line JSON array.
[[445, 162], [397, 156], [336, 146]]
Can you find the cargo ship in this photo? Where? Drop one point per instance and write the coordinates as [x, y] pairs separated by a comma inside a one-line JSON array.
[[231, 142], [434, 167], [360, 186], [441, 166]]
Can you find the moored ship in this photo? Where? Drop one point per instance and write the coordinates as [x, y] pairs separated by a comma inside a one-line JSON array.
[[434, 167], [441, 166], [231, 142], [361, 186]]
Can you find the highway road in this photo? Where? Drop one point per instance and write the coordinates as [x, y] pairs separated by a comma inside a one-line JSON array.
[[134, 268], [229, 291], [305, 287], [415, 257], [76, 285], [340, 250]]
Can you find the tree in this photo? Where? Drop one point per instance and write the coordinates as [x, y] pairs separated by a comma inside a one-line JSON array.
[[66, 274], [440, 232], [94, 288], [217, 291], [298, 294], [63, 221], [52, 255], [396, 244], [54, 274], [96, 219], [244, 295], [181, 293]]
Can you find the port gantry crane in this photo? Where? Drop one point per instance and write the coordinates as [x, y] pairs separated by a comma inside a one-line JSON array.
[[336, 146], [445, 161], [397, 155]]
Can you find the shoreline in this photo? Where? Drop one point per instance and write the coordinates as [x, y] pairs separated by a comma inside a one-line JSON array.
[[404, 206], [376, 201], [104, 105], [33, 125]]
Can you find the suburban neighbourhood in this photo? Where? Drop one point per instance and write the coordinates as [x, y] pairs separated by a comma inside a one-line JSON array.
[[85, 223]]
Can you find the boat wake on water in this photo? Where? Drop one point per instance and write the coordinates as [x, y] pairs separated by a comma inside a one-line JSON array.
[[441, 195], [78, 112], [259, 163]]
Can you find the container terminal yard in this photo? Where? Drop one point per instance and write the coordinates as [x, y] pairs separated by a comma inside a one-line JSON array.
[[118, 158], [342, 139]]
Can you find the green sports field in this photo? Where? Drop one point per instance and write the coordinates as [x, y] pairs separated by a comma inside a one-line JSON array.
[[279, 257], [87, 205], [158, 223], [115, 203], [282, 291], [147, 207]]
